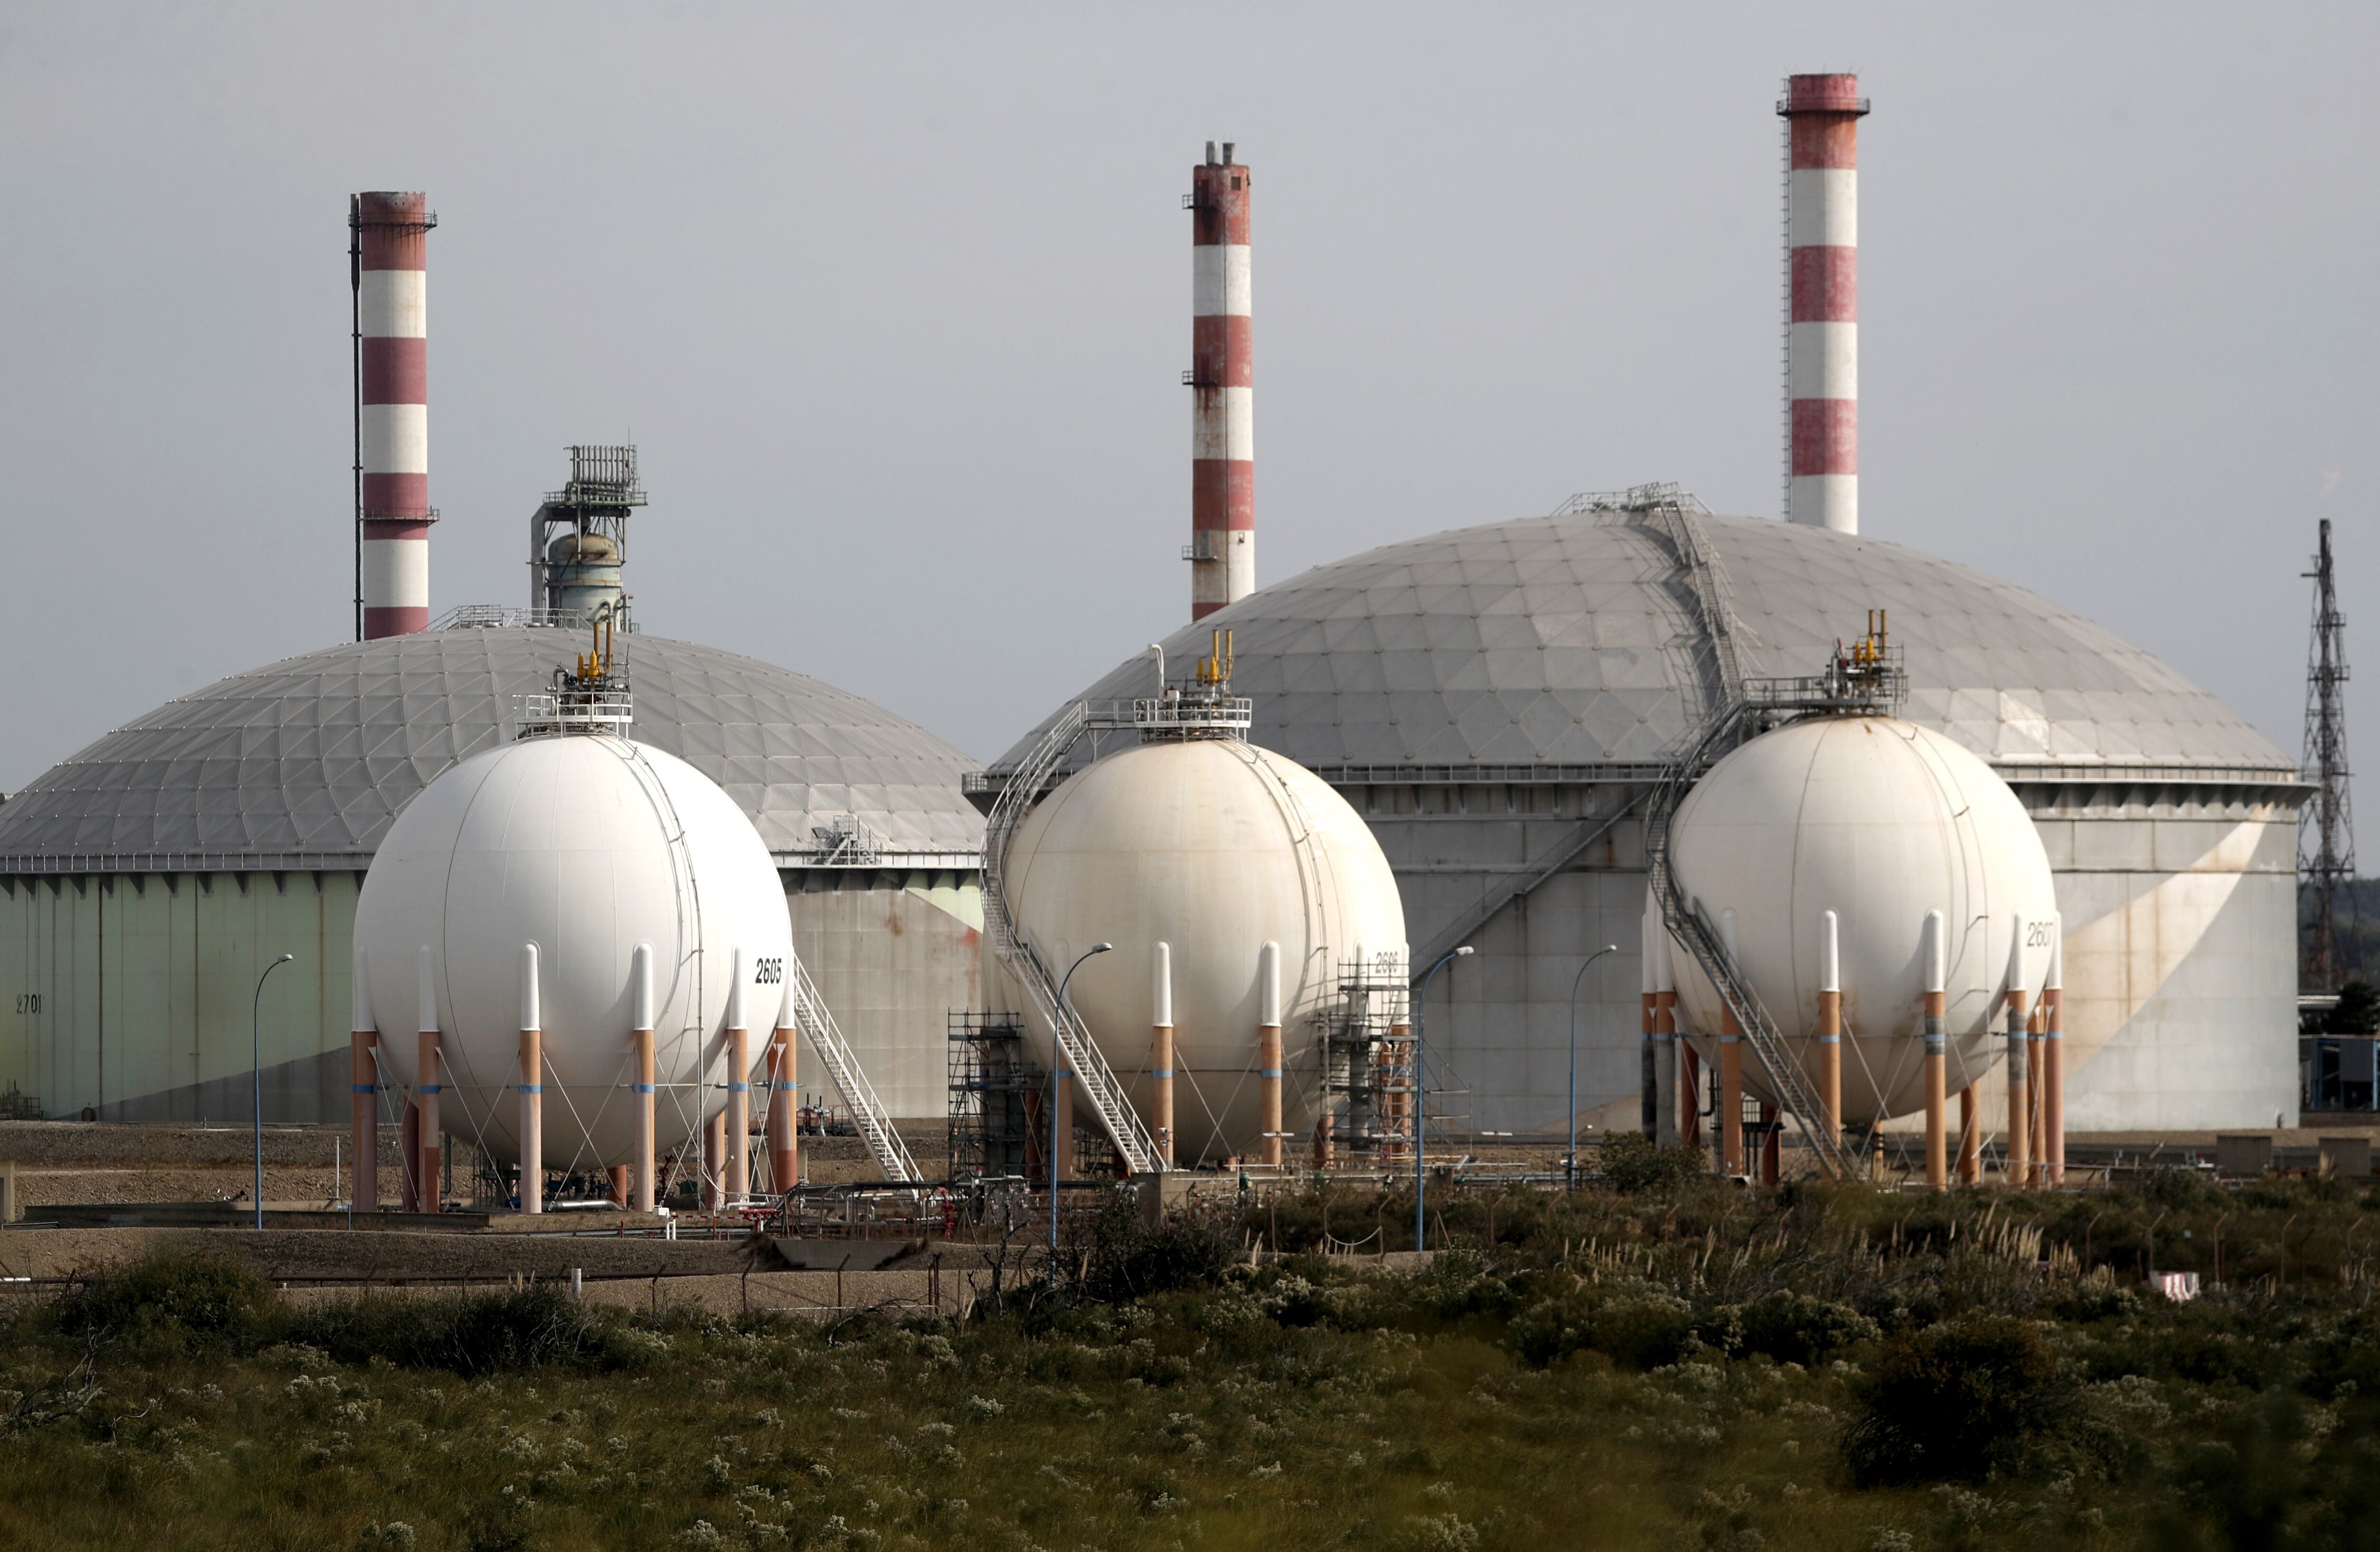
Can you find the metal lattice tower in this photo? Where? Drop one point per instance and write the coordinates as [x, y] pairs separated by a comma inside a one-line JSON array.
[[2326, 824]]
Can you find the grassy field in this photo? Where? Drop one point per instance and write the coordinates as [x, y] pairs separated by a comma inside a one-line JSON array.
[[1672, 1364]]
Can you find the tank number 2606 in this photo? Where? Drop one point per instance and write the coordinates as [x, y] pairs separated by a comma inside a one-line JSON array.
[[768, 972]]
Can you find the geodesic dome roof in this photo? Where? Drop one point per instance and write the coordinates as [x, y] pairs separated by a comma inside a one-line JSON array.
[[1575, 640], [303, 763]]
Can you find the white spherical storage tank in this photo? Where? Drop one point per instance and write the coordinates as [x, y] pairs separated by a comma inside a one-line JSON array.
[[1880, 822], [587, 847], [1214, 848]]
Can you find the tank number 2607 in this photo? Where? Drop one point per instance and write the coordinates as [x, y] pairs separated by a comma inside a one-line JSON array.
[[2037, 933], [768, 972]]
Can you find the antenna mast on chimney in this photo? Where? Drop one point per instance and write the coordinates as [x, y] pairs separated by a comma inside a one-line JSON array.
[[2326, 824]]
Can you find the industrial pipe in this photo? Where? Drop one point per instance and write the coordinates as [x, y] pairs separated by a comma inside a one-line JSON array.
[[1666, 1044], [1687, 1076], [1160, 1051], [408, 1156], [1269, 1051], [1647, 1023], [714, 1156], [738, 1181], [640, 996], [2020, 1118], [363, 1080], [1937, 1045], [425, 1090], [1730, 1063], [1830, 1031], [533, 1087], [2053, 1055]]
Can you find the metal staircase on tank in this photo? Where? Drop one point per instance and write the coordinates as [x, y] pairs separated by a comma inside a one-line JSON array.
[[1741, 708], [1094, 1080], [867, 1112], [1686, 925]]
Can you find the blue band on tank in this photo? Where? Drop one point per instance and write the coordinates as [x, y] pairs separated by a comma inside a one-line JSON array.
[[425, 1088], [739, 1088], [1830, 1039], [642, 1088], [365, 1088], [1268, 1071], [530, 1088], [1163, 1072]]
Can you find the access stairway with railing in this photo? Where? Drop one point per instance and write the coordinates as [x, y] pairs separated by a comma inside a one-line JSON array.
[[1094, 1081], [867, 1112]]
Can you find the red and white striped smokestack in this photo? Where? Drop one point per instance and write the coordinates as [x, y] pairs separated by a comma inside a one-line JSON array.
[[1222, 552], [392, 411], [1822, 114]]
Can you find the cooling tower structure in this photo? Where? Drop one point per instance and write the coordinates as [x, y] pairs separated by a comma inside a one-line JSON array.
[[389, 251], [1222, 378], [1822, 114]]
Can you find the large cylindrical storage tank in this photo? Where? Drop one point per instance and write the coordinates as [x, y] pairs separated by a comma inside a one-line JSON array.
[[586, 846], [1881, 822], [1215, 848]]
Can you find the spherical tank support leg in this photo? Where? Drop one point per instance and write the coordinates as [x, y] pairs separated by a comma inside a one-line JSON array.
[[364, 1119], [425, 1169], [532, 1121], [641, 1162], [785, 1145]]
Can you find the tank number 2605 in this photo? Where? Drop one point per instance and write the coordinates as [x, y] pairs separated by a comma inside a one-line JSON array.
[[2037, 933], [768, 972]]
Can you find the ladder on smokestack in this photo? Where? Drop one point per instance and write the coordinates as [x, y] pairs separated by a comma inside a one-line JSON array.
[[1094, 1079], [1688, 927], [867, 1112]]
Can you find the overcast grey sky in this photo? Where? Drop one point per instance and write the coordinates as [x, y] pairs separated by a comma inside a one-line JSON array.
[[894, 300]]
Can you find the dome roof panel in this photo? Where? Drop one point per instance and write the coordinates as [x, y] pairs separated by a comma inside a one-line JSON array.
[[304, 762], [1399, 617]]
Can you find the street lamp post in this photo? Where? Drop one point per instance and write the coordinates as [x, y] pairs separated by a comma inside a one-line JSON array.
[[1570, 1166], [1421, 1092], [1057, 1122], [256, 1075]]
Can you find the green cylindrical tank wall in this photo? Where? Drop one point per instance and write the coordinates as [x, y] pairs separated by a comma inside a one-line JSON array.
[[130, 995]]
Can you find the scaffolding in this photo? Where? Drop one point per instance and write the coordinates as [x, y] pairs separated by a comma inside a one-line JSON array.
[[996, 1097], [1367, 1045]]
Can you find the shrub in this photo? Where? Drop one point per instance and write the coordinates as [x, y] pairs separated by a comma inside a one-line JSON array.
[[1956, 1402], [469, 1333], [1797, 1328], [1634, 1163], [1644, 1329], [180, 1301], [1122, 1258]]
